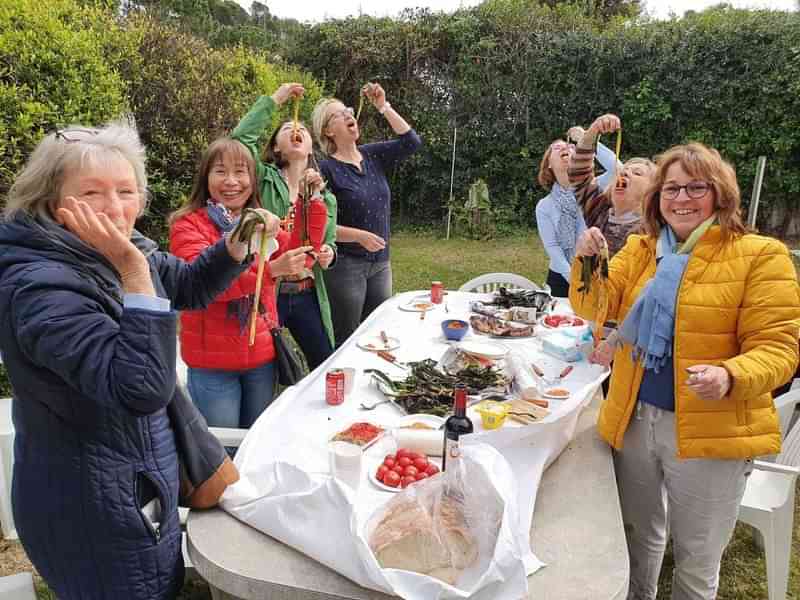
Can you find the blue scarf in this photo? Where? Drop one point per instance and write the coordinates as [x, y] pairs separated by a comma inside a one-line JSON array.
[[238, 308], [650, 325]]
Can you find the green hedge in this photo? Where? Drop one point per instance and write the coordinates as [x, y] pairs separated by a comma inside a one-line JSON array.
[[62, 62], [513, 75], [53, 72]]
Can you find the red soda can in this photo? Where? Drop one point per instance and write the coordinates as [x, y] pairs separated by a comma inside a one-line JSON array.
[[334, 387], [437, 292]]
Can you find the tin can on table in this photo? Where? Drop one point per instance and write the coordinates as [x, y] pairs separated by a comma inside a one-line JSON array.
[[437, 292], [334, 387]]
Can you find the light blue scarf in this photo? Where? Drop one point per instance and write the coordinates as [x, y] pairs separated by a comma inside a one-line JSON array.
[[650, 324]]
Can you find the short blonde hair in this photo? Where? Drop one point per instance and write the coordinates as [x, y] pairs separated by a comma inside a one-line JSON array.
[[703, 163], [36, 189], [319, 120]]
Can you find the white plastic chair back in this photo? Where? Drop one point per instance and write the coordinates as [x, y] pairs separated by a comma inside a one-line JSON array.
[[6, 469], [17, 587], [785, 404], [490, 282], [790, 451]]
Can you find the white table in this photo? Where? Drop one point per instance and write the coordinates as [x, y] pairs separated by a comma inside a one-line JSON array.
[[576, 530]]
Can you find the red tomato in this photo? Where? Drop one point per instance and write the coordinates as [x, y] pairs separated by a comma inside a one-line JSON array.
[[381, 472], [415, 455], [421, 475], [404, 461], [410, 471], [391, 479], [398, 469], [577, 322], [401, 452], [389, 461], [406, 481], [421, 463], [431, 470]]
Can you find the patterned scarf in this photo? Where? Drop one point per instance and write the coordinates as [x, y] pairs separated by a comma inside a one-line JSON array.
[[238, 308], [566, 230]]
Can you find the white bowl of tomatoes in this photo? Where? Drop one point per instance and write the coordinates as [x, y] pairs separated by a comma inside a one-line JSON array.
[[401, 469]]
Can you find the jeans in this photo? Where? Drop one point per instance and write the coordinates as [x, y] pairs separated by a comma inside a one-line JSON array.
[[695, 500], [356, 287], [231, 398], [301, 315]]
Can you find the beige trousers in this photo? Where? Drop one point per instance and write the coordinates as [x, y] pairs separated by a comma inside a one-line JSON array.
[[695, 500]]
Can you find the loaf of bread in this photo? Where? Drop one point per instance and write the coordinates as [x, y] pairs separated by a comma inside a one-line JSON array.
[[431, 540]]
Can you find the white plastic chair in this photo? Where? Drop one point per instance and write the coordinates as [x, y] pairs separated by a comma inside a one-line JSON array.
[[768, 506], [785, 405], [17, 587], [6, 469], [490, 282], [229, 437]]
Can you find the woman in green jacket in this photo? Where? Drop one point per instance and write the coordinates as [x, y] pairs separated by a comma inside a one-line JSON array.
[[303, 304]]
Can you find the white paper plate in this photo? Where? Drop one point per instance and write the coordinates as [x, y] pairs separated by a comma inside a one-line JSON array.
[[418, 305], [373, 343], [552, 397], [432, 420], [483, 349]]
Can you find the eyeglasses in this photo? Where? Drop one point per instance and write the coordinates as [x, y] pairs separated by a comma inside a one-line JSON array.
[[347, 111], [75, 134], [694, 189]]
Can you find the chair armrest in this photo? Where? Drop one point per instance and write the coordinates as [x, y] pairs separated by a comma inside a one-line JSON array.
[[229, 436], [776, 468]]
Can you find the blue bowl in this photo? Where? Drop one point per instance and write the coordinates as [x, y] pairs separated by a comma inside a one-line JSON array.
[[455, 329]]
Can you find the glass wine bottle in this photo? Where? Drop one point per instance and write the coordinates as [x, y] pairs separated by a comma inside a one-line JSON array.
[[457, 424]]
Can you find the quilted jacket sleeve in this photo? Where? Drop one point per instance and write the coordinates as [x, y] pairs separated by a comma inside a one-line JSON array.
[[768, 325], [59, 323], [619, 275], [188, 240], [197, 284]]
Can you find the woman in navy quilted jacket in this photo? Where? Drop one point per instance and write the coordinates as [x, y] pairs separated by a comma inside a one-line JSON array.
[[87, 333]]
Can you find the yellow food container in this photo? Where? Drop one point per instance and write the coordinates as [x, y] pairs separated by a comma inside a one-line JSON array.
[[493, 414]]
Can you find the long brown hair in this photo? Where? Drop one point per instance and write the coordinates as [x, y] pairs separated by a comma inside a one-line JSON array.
[[546, 176], [704, 163], [200, 195]]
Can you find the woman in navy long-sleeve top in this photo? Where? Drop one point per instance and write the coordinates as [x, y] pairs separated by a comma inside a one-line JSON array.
[[356, 175]]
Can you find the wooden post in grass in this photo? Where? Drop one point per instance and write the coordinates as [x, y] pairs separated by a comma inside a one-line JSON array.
[[452, 175], [752, 211]]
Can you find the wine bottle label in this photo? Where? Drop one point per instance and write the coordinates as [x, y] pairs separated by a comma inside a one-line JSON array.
[[452, 451]]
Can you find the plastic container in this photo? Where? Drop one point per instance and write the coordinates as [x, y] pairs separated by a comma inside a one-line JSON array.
[[455, 329], [493, 414]]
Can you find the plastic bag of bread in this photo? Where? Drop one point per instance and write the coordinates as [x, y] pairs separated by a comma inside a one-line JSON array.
[[446, 526]]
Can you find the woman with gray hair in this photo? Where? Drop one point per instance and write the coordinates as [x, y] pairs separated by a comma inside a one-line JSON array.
[[356, 175], [87, 333]]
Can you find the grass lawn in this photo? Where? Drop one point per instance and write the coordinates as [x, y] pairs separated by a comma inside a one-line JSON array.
[[418, 259]]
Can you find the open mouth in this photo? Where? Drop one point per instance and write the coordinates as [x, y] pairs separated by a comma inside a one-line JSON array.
[[232, 195], [622, 185], [684, 212], [296, 138]]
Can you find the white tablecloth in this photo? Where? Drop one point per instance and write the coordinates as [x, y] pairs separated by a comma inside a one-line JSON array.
[[286, 490]]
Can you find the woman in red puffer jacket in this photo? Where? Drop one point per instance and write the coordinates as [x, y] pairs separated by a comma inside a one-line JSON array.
[[230, 381]]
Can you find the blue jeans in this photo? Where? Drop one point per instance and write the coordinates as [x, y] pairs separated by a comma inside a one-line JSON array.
[[232, 398], [301, 315], [356, 287]]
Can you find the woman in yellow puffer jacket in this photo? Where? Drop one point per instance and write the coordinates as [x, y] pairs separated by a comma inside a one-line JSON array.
[[710, 321]]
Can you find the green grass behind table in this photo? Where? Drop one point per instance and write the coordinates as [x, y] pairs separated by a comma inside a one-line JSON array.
[[416, 261]]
